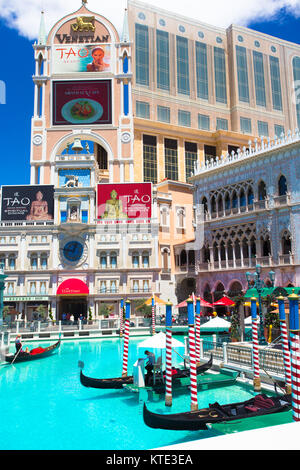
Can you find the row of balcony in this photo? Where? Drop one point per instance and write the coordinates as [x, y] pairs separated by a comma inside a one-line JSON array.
[[263, 204], [283, 260]]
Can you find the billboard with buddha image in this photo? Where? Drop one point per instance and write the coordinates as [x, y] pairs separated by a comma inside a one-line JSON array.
[[27, 203], [124, 202]]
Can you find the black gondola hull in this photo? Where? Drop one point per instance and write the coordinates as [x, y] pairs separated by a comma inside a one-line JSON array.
[[198, 420], [25, 357], [118, 382]]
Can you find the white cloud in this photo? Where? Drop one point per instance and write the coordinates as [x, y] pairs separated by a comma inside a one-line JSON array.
[[24, 15]]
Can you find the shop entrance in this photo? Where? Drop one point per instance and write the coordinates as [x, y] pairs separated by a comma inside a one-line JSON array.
[[73, 306]]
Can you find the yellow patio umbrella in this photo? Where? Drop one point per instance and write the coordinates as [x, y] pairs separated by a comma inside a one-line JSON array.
[[157, 301]]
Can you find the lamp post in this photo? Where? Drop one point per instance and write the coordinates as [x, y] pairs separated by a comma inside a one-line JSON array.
[[2, 287], [259, 284]]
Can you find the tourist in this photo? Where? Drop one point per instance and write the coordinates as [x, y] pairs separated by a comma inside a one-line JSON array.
[[149, 366]]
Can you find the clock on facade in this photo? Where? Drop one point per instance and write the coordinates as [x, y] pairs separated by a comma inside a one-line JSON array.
[[74, 251]]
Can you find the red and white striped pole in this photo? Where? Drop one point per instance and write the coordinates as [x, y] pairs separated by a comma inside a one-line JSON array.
[[126, 338], [255, 350], [285, 346], [198, 333], [193, 368], [295, 354], [168, 390], [153, 315], [121, 316]]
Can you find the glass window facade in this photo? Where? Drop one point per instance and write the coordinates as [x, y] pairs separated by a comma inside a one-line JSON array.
[[184, 118], [242, 74], [149, 158], [190, 158], [203, 122], [275, 83], [201, 70], [183, 79], [296, 73], [142, 54], [263, 128], [246, 126], [142, 110], [259, 78], [220, 75], [163, 114], [163, 70], [222, 124], [171, 159]]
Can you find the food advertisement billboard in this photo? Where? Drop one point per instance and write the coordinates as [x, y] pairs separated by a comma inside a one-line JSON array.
[[81, 58], [31, 202], [124, 202], [82, 102]]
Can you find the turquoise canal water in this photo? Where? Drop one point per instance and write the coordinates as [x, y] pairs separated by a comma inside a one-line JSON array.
[[43, 406]]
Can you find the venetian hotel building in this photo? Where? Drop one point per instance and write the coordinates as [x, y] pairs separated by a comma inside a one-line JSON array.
[[169, 93]]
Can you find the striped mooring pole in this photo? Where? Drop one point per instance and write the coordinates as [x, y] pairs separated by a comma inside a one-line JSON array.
[[193, 369], [295, 354], [197, 321], [126, 338], [121, 316], [153, 315], [285, 346], [168, 391], [255, 350]]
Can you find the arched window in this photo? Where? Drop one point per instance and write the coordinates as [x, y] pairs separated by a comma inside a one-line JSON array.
[[103, 260], [234, 200], [191, 257], [262, 191], [206, 254], [44, 261], [227, 202], [282, 186], [213, 205], [242, 198], [229, 250], [113, 259], [34, 261], [266, 246], [286, 243], [216, 252], [135, 260], [145, 260], [219, 291], [205, 205], [235, 289], [220, 205], [222, 251], [250, 196]]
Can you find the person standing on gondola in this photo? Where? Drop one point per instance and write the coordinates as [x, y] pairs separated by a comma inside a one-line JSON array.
[[149, 366], [18, 343]]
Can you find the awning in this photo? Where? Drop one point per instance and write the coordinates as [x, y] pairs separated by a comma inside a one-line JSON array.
[[276, 291], [157, 301], [72, 287]]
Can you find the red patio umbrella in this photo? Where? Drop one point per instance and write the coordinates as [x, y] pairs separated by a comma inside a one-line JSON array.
[[224, 301]]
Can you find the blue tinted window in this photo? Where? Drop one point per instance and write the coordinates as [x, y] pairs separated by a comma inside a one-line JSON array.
[[242, 73], [296, 73], [184, 118], [183, 80], [222, 124], [259, 78], [162, 46], [220, 75], [203, 122], [245, 125], [263, 128], [275, 83], [201, 69], [142, 54], [163, 114], [143, 109]]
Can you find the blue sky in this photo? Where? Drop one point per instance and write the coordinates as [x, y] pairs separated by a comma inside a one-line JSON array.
[[17, 68]]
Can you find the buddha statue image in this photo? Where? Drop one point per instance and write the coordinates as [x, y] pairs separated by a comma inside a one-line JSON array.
[[114, 208], [39, 209]]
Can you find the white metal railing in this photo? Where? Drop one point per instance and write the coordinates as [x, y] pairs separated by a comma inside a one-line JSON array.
[[261, 146]]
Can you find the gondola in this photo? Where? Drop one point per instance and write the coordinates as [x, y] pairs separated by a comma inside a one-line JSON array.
[[36, 353], [119, 382], [198, 420]]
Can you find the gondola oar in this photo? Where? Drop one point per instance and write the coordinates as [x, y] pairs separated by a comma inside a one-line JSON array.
[[16, 356]]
